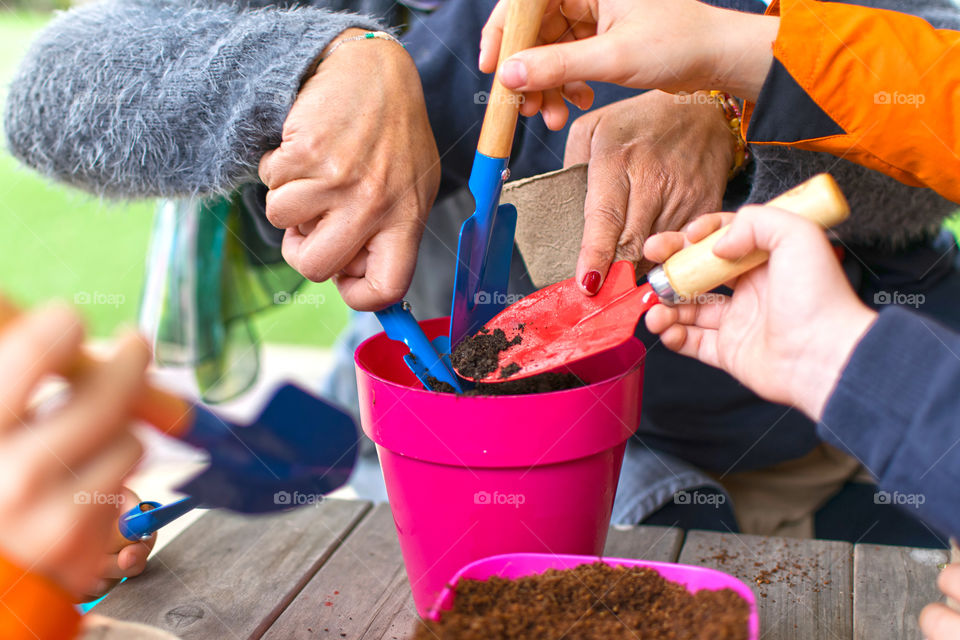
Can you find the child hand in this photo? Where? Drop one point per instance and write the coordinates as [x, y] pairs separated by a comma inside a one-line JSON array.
[[791, 324], [645, 44], [58, 469], [937, 621], [126, 562]]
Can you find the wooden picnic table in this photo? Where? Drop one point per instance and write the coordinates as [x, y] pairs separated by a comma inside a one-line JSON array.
[[334, 570]]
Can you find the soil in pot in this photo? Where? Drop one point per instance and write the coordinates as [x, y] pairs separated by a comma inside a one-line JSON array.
[[543, 383], [479, 354], [592, 601]]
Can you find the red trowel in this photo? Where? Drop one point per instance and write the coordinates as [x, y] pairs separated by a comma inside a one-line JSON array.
[[560, 325]]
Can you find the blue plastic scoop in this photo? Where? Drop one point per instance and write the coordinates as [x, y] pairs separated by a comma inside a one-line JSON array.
[[426, 359]]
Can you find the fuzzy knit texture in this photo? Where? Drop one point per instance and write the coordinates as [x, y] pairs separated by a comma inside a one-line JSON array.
[[143, 98]]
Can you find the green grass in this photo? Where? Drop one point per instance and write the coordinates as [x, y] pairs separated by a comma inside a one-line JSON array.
[[60, 243]]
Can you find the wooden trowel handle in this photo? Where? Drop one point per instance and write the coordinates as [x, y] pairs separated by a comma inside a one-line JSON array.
[[167, 412], [503, 105], [697, 269]]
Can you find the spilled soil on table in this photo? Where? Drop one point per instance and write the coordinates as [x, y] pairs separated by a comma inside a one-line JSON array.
[[591, 601]]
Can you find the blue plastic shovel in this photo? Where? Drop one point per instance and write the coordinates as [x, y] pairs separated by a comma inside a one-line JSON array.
[[485, 248], [148, 517], [426, 359], [298, 443]]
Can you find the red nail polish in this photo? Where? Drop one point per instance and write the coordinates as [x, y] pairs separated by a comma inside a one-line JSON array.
[[591, 282]]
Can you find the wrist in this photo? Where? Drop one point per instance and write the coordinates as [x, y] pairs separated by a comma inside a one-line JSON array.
[[376, 42], [352, 32], [828, 351], [741, 52]]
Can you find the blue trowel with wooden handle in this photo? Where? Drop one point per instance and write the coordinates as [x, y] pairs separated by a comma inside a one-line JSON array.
[[486, 238]]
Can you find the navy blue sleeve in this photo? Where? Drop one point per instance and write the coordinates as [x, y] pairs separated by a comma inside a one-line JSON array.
[[784, 112], [896, 408]]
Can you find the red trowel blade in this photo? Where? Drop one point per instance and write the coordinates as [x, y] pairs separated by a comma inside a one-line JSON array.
[[560, 324]]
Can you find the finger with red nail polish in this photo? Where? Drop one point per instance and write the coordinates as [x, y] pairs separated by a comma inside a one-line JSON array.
[[591, 282]]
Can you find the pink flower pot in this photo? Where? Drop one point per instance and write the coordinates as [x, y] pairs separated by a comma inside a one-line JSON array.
[[470, 477]]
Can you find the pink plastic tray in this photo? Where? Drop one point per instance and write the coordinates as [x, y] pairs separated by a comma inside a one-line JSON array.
[[517, 565]]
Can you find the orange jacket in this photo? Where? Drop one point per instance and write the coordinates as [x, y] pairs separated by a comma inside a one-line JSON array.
[[876, 87], [32, 607]]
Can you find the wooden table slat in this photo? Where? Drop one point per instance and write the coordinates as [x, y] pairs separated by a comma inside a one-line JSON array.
[[335, 571], [891, 586], [229, 576], [646, 543], [803, 587], [366, 585]]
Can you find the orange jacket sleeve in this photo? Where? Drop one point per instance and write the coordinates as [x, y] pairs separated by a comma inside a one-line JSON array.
[[886, 84], [32, 607]]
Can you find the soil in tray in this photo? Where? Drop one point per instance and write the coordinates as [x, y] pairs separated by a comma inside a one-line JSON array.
[[593, 601]]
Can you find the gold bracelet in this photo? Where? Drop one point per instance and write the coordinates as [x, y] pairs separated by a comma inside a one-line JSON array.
[[370, 35], [731, 112]]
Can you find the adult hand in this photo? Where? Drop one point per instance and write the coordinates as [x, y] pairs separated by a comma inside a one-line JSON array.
[[682, 45], [59, 469], [937, 621], [127, 562], [356, 173], [656, 162], [791, 324]]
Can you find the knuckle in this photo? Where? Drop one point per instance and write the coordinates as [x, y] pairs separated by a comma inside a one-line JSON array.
[[374, 199], [265, 171], [313, 268], [581, 129], [596, 252], [630, 246], [607, 216], [277, 209], [385, 291], [335, 172]]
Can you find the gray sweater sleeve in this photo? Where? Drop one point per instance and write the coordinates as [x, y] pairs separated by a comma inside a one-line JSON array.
[[143, 98], [884, 211]]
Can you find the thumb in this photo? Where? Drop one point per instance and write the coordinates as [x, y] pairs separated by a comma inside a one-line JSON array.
[[759, 228], [554, 65]]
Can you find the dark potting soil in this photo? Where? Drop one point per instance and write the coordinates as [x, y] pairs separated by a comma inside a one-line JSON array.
[[591, 602], [479, 354], [543, 383]]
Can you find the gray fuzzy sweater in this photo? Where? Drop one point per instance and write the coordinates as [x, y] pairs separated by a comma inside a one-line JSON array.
[[134, 98], [143, 98]]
